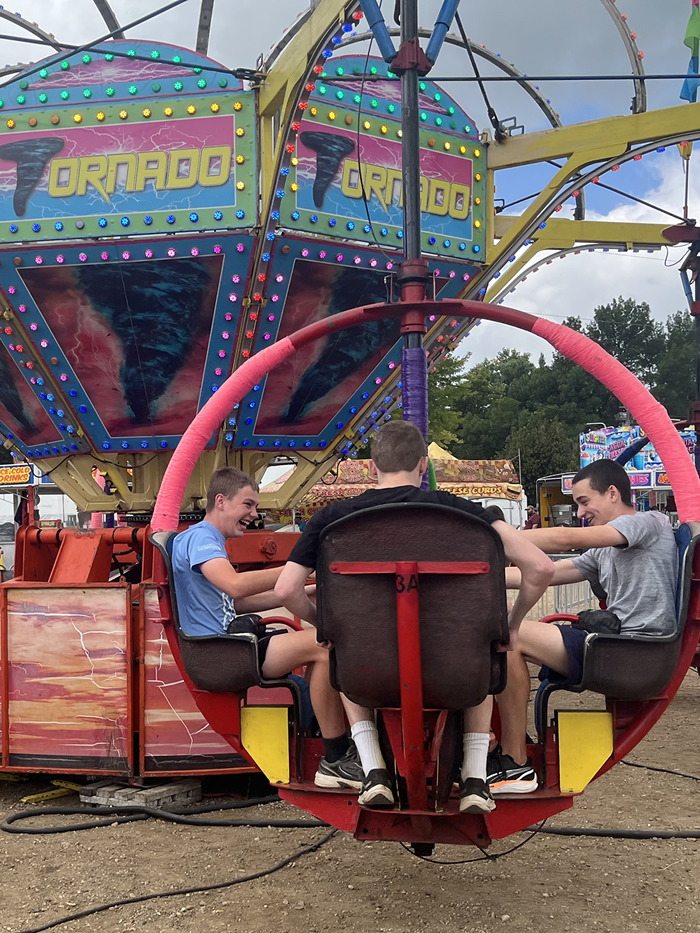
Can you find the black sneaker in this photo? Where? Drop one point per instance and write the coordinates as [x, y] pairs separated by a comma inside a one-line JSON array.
[[376, 790], [475, 796], [505, 776], [344, 774]]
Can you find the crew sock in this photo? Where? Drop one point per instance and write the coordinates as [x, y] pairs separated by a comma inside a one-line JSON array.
[[366, 739], [333, 749], [476, 748]]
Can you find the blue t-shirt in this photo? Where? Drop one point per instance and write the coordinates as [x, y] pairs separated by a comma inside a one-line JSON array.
[[204, 609]]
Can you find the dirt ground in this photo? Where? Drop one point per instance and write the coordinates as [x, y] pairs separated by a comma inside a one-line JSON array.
[[550, 885]]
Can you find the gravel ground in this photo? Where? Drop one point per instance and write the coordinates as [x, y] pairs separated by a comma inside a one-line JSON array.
[[550, 885]]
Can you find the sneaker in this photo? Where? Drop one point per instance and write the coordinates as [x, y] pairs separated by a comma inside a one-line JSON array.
[[505, 776], [475, 796], [344, 774], [376, 790]]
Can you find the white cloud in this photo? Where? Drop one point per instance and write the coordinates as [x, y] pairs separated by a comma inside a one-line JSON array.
[[578, 284]]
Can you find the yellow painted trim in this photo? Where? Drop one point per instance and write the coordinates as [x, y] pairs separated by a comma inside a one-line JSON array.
[[265, 736], [585, 744], [619, 134]]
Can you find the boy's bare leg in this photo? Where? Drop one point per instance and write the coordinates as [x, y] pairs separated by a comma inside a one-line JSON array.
[[285, 652], [473, 790], [543, 644], [377, 790]]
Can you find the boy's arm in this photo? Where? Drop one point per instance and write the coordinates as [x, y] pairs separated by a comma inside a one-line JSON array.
[[239, 585], [536, 572], [263, 601], [554, 540], [564, 572], [291, 593]]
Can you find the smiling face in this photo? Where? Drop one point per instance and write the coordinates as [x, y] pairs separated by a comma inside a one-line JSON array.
[[598, 508], [232, 516]]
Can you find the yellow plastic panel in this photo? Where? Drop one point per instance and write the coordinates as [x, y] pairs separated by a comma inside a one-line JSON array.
[[585, 744], [265, 736]]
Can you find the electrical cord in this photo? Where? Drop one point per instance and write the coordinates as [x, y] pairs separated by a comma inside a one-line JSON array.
[[136, 813], [179, 892], [636, 764], [611, 833], [486, 857]]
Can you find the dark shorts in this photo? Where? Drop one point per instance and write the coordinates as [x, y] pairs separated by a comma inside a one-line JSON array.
[[574, 642], [264, 641]]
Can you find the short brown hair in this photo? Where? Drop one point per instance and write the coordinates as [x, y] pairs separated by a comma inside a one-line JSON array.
[[602, 474], [227, 481], [397, 447]]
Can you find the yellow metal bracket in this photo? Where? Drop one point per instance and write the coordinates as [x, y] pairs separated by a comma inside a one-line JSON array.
[[265, 736], [63, 789], [585, 744]]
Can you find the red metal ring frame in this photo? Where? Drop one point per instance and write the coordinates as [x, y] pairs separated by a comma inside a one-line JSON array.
[[631, 392], [635, 723]]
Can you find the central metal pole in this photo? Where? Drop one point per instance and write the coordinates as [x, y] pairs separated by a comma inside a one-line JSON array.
[[410, 141], [413, 271]]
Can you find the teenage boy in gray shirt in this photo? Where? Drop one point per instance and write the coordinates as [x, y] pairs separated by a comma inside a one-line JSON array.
[[632, 556]]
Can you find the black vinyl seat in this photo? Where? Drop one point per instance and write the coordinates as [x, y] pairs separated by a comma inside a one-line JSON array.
[[632, 666], [463, 616], [217, 663]]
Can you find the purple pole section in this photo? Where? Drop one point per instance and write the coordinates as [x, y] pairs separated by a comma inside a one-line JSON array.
[[414, 377]]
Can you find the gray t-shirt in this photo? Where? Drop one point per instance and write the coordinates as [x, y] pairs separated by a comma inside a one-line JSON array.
[[639, 579]]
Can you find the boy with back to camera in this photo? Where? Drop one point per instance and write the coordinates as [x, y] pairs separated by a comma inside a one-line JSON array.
[[632, 558], [399, 460], [211, 594]]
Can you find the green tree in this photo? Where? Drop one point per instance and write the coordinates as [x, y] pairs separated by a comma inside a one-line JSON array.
[[626, 329], [444, 414], [489, 411], [541, 447], [674, 383]]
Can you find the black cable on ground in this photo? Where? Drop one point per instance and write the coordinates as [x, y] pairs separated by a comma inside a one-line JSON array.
[[178, 892], [636, 764], [619, 833], [136, 813], [486, 856]]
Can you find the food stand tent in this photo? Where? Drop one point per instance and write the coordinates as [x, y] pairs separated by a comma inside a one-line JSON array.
[[473, 479]]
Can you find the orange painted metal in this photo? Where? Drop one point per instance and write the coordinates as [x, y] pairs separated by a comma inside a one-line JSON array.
[[84, 557]]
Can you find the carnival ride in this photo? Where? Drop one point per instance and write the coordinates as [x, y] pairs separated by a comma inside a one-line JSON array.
[[196, 273]]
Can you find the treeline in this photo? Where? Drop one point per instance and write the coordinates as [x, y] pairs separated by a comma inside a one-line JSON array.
[[510, 405]]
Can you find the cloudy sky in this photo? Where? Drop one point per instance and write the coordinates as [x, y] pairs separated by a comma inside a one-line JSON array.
[[541, 37]]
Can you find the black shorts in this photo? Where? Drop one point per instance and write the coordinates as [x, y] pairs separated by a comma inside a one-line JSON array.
[[574, 642], [264, 641]]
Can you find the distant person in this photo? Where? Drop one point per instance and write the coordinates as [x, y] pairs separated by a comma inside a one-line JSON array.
[[2, 559], [533, 519]]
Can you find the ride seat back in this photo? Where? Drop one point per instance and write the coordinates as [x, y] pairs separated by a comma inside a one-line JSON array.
[[217, 663], [463, 618]]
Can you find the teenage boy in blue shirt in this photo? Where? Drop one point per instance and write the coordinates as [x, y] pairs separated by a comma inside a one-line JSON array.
[[210, 594]]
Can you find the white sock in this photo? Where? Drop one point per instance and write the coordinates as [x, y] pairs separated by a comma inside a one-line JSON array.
[[366, 737], [476, 748]]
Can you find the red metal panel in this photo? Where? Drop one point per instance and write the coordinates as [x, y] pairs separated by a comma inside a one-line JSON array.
[[410, 672], [4, 714], [469, 567], [65, 655], [175, 736]]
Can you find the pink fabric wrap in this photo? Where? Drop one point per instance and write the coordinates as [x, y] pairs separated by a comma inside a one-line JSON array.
[[167, 511], [652, 416]]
